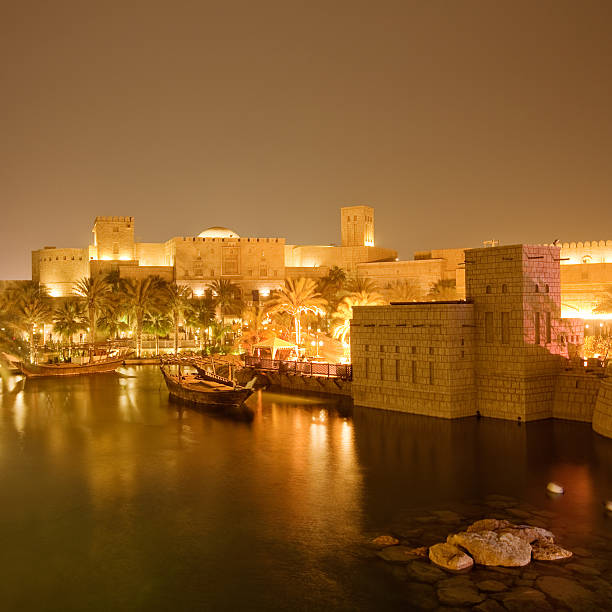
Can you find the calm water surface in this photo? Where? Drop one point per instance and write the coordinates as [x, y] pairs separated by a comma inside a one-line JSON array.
[[113, 499]]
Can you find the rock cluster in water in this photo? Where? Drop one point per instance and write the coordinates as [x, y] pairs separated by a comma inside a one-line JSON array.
[[493, 564]]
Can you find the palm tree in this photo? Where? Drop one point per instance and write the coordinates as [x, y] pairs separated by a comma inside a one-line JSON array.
[[177, 301], [604, 305], [226, 297], [30, 308], [344, 313], [255, 320], [360, 284], [331, 286], [158, 324], [113, 317], [69, 319], [142, 297], [93, 292], [296, 298], [199, 315], [445, 290], [218, 329], [404, 291]]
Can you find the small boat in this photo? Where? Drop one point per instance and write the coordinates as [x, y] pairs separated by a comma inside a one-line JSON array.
[[100, 366], [209, 394]]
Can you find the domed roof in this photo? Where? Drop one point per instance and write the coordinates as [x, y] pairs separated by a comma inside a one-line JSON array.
[[218, 232]]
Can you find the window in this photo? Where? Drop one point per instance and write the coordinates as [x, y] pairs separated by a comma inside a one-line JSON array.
[[489, 290], [537, 288], [382, 367], [431, 351], [504, 288], [115, 230], [489, 327], [547, 288], [431, 373], [536, 317], [414, 350], [230, 260], [263, 271], [382, 348], [548, 328], [397, 349], [255, 295], [367, 347], [397, 370], [414, 372], [505, 327]]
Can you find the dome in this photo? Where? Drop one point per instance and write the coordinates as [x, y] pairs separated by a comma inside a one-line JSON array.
[[218, 232]]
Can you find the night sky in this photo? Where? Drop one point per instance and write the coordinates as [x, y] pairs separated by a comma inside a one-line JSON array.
[[459, 121]]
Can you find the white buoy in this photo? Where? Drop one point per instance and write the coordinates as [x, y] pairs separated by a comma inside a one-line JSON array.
[[553, 487]]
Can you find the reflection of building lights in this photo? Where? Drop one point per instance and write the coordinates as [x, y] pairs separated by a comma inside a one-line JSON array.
[[198, 292]]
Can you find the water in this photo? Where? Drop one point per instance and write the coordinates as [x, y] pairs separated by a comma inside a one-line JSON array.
[[113, 499]]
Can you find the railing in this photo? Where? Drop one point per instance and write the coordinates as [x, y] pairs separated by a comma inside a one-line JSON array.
[[307, 368]]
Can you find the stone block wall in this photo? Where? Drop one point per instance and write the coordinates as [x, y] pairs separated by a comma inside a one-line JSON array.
[[516, 294], [59, 269], [602, 415], [415, 358], [576, 395]]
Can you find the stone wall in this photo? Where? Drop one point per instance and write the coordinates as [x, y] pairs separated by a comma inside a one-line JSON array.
[[59, 269], [113, 238], [602, 415], [576, 395], [415, 358]]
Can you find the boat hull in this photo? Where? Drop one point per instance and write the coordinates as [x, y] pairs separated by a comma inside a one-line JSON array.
[[50, 370], [224, 401]]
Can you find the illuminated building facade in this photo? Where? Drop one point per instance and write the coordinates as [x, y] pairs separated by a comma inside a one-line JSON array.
[[256, 265]]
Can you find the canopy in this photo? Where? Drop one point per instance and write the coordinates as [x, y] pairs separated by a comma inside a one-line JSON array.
[[275, 344]]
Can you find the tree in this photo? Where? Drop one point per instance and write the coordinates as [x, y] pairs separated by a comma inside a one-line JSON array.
[[344, 313], [199, 315], [404, 291], [69, 319], [296, 298], [255, 320], [93, 292], [226, 297], [604, 304], [142, 297], [360, 284], [445, 290], [29, 305], [158, 324], [178, 302], [331, 286]]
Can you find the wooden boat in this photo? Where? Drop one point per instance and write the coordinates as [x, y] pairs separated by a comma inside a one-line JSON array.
[[100, 366], [209, 394]]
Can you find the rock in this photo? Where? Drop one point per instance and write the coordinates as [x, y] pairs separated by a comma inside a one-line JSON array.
[[544, 550], [421, 596], [555, 489], [488, 524], [447, 516], [450, 557], [524, 582], [397, 554], [491, 586], [583, 569], [421, 551], [383, 541], [528, 533], [489, 605], [582, 552], [458, 593], [523, 599], [424, 572], [567, 593], [490, 548]]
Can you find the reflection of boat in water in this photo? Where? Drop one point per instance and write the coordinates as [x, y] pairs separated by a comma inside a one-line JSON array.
[[209, 392], [102, 365]]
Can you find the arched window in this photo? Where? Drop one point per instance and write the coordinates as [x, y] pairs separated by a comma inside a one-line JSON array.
[[537, 288], [547, 288], [489, 290]]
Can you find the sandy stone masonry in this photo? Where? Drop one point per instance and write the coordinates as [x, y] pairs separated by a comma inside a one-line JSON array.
[[502, 353]]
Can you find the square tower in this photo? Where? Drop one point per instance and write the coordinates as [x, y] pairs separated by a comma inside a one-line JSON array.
[[113, 238], [516, 292], [357, 226]]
